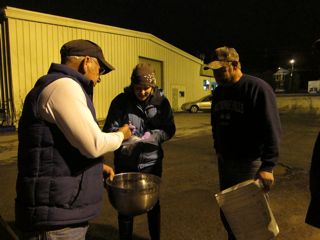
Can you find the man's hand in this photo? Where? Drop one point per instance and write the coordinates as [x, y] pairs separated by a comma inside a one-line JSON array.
[[108, 171], [267, 179], [126, 131]]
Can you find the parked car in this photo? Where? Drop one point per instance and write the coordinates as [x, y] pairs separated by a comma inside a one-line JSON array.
[[202, 104]]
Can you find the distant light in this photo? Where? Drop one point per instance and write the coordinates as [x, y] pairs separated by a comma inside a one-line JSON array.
[[292, 61]]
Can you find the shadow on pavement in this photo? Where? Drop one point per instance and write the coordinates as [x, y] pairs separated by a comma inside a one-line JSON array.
[[102, 232]]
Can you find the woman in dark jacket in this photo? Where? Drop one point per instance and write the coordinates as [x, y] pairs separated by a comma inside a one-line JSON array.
[[148, 112]]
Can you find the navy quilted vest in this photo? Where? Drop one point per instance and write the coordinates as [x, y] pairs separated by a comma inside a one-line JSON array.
[[56, 184]]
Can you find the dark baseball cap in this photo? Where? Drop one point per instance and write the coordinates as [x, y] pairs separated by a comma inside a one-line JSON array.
[[221, 54], [81, 47]]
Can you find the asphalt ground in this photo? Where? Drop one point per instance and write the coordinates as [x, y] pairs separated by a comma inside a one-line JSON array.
[[190, 180]]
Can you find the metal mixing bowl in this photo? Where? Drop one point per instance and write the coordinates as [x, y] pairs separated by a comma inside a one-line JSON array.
[[133, 193]]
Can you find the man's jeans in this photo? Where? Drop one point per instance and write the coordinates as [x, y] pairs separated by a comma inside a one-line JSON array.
[[231, 172], [68, 233]]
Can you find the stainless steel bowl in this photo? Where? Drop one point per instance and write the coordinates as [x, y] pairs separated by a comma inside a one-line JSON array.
[[133, 193]]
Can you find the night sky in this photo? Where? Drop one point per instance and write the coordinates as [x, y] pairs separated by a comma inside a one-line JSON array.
[[266, 33]]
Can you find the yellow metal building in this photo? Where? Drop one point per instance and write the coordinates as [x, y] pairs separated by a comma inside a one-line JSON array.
[[30, 41]]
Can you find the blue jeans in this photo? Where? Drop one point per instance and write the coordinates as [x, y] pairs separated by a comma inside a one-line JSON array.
[[231, 172], [68, 233]]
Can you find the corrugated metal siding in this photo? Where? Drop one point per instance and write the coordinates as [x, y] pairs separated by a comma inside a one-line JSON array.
[[35, 41], [7, 113]]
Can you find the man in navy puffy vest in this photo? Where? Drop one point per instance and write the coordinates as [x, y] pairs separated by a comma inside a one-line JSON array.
[[60, 170]]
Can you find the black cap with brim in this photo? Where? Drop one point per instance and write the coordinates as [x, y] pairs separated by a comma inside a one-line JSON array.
[[81, 47]]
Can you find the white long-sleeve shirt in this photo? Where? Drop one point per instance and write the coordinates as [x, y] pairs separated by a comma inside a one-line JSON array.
[[64, 103]]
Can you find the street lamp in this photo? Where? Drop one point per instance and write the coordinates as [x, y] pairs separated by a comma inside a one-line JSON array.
[[291, 75], [292, 66]]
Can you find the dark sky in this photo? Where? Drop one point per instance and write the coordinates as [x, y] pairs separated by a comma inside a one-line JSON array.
[[266, 33]]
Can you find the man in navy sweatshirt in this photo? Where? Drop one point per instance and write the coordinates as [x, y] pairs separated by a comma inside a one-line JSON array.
[[245, 124]]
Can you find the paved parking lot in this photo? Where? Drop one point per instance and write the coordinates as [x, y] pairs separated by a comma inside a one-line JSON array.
[[189, 211]]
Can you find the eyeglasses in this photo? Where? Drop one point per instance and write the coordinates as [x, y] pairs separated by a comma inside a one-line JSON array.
[[101, 71]]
